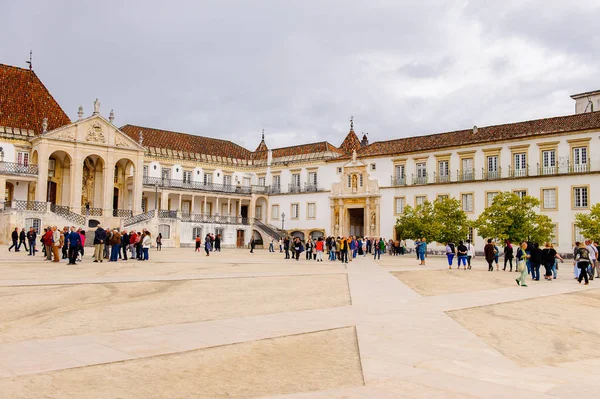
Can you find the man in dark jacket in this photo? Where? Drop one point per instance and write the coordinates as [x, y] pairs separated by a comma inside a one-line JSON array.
[[74, 240], [489, 252], [22, 239], [124, 244], [15, 240], [31, 237], [99, 241]]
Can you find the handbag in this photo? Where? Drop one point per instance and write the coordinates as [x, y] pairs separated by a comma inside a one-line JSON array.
[[521, 266]]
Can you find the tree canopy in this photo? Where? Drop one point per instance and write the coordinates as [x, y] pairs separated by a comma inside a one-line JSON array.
[[589, 223], [514, 218], [441, 221]]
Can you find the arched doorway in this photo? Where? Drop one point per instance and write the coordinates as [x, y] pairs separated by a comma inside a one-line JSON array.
[[9, 192], [58, 190], [260, 209], [298, 234], [92, 187], [124, 185]]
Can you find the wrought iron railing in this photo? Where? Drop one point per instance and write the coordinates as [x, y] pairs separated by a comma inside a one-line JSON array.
[[91, 212], [66, 213], [164, 214], [466, 175], [294, 188], [122, 213], [272, 231], [399, 180], [142, 217], [420, 179], [491, 174], [13, 168], [194, 185], [520, 172], [31, 206], [441, 177], [207, 218]]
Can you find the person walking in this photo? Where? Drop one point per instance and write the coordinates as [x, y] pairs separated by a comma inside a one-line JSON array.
[[252, 243], [99, 241], [197, 243], [462, 255], [376, 250], [488, 251], [521, 267], [422, 250], [31, 237], [536, 259], [450, 252], [582, 258], [208, 245], [159, 242], [508, 255], [22, 239], [557, 258], [593, 257], [548, 258], [74, 241], [15, 240], [271, 247]]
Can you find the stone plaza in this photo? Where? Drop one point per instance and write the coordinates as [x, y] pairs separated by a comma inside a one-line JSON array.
[[240, 325]]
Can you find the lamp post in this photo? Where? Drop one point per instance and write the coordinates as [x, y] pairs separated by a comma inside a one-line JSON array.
[[156, 198], [282, 220]]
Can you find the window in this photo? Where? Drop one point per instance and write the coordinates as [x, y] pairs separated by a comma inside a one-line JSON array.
[[349, 180], [360, 180], [580, 197], [295, 211], [196, 231], [492, 167], [208, 178], [441, 197], [521, 193], [468, 173], [467, 202], [420, 199], [490, 198], [399, 207], [577, 235], [187, 176], [373, 166], [312, 179], [262, 181], [311, 210], [227, 180], [400, 175], [554, 239], [339, 169], [145, 171], [23, 158], [548, 162], [579, 159], [258, 212], [549, 198], [166, 174], [246, 181], [520, 164], [277, 181], [33, 222], [165, 230], [421, 169], [296, 179], [145, 204], [219, 232], [443, 171], [274, 211], [471, 235]]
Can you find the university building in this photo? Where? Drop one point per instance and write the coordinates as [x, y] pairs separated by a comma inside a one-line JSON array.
[[89, 171]]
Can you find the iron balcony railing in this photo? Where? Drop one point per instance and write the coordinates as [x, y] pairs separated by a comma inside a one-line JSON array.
[[164, 214], [194, 185], [466, 175], [91, 212], [31, 206], [13, 168], [307, 188], [419, 179], [441, 177], [399, 180], [519, 172], [491, 174], [122, 213]]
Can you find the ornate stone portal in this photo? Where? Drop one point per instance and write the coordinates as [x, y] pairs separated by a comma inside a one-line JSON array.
[[87, 183], [355, 202]]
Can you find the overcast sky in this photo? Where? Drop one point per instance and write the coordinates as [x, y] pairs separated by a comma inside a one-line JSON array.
[[300, 68]]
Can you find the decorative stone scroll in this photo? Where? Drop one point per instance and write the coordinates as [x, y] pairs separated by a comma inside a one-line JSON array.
[[94, 134], [120, 142]]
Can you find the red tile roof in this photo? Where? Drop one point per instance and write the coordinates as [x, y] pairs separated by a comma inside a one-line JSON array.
[[302, 149], [489, 134], [25, 101], [186, 143], [350, 143]]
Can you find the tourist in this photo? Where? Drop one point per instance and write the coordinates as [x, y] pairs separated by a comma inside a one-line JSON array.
[[344, 250], [31, 237], [575, 268], [297, 248], [252, 242], [99, 241], [338, 249], [593, 257], [462, 255], [369, 245], [422, 251], [548, 259], [582, 257], [319, 246], [286, 247], [159, 242], [82, 245], [271, 247], [132, 240], [42, 241], [496, 255], [402, 246], [74, 241], [376, 251], [521, 257], [56, 238], [557, 258], [508, 255], [146, 244], [63, 245], [280, 242], [218, 243], [115, 245], [595, 245], [309, 249], [198, 240], [208, 245], [450, 252], [48, 243], [488, 251], [106, 253], [536, 260], [470, 253], [139, 246], [15, 240], [332, 248], [124, 245], [22, 239]]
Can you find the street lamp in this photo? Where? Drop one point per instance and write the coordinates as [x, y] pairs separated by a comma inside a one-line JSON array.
[[282, 220], [156, 198]]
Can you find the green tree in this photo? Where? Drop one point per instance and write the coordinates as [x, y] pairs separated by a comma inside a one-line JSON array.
[[589, 223], [442, 221], [514, 218]]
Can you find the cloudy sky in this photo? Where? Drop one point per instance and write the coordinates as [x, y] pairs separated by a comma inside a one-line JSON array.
[[300, 68]]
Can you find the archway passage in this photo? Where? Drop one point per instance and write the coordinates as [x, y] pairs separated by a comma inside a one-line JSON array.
[[124, 185], [357, 221], [58, 188], [92, 183]]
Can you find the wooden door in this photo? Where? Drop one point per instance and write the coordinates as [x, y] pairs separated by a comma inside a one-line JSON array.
[[116, 198], [51, 192], [240, 239]]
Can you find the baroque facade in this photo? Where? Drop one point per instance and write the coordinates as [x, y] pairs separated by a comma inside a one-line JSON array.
[[88, 172]]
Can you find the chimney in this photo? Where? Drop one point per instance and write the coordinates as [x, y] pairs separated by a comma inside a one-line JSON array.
[[365, 141]]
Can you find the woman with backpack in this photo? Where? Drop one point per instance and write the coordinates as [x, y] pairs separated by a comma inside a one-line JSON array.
[[582, 258]]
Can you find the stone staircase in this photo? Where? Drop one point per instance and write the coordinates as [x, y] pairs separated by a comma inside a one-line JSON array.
[[269, 230]]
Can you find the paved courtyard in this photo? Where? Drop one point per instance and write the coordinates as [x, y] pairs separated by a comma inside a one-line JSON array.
[[240, 325]]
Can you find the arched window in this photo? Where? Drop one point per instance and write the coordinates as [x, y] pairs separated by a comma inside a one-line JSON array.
[[197, 231], [165, 231], [33, 222]]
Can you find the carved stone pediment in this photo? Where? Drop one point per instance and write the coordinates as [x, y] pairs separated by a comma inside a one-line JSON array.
[[94, 134]]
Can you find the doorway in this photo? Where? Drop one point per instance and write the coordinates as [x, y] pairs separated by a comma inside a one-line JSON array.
[[116, 199], [240, 239], [357, 221], [244, 211], [51, 192]]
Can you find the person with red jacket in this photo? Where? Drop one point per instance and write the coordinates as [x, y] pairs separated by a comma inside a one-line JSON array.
[[319, 246]]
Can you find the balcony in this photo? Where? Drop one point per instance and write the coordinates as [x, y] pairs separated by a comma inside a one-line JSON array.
[[441, 177], [308, 188], [419, 179], [13, 168], [521, 172], [491, 174], [466, 175], [193, 185], [399, 180], [207, 218]]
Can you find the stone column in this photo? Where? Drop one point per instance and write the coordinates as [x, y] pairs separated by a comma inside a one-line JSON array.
[[3, 188], [41, 188], [179, 202], [217, 207], [377, 218], [367, 218], [164, 200], [192, 205], [76, 184], [138, 187], [108, 185], [204, 210]]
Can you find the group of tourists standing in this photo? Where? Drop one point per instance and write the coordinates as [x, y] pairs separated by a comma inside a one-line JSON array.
[[211, 243], [114, 244]]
